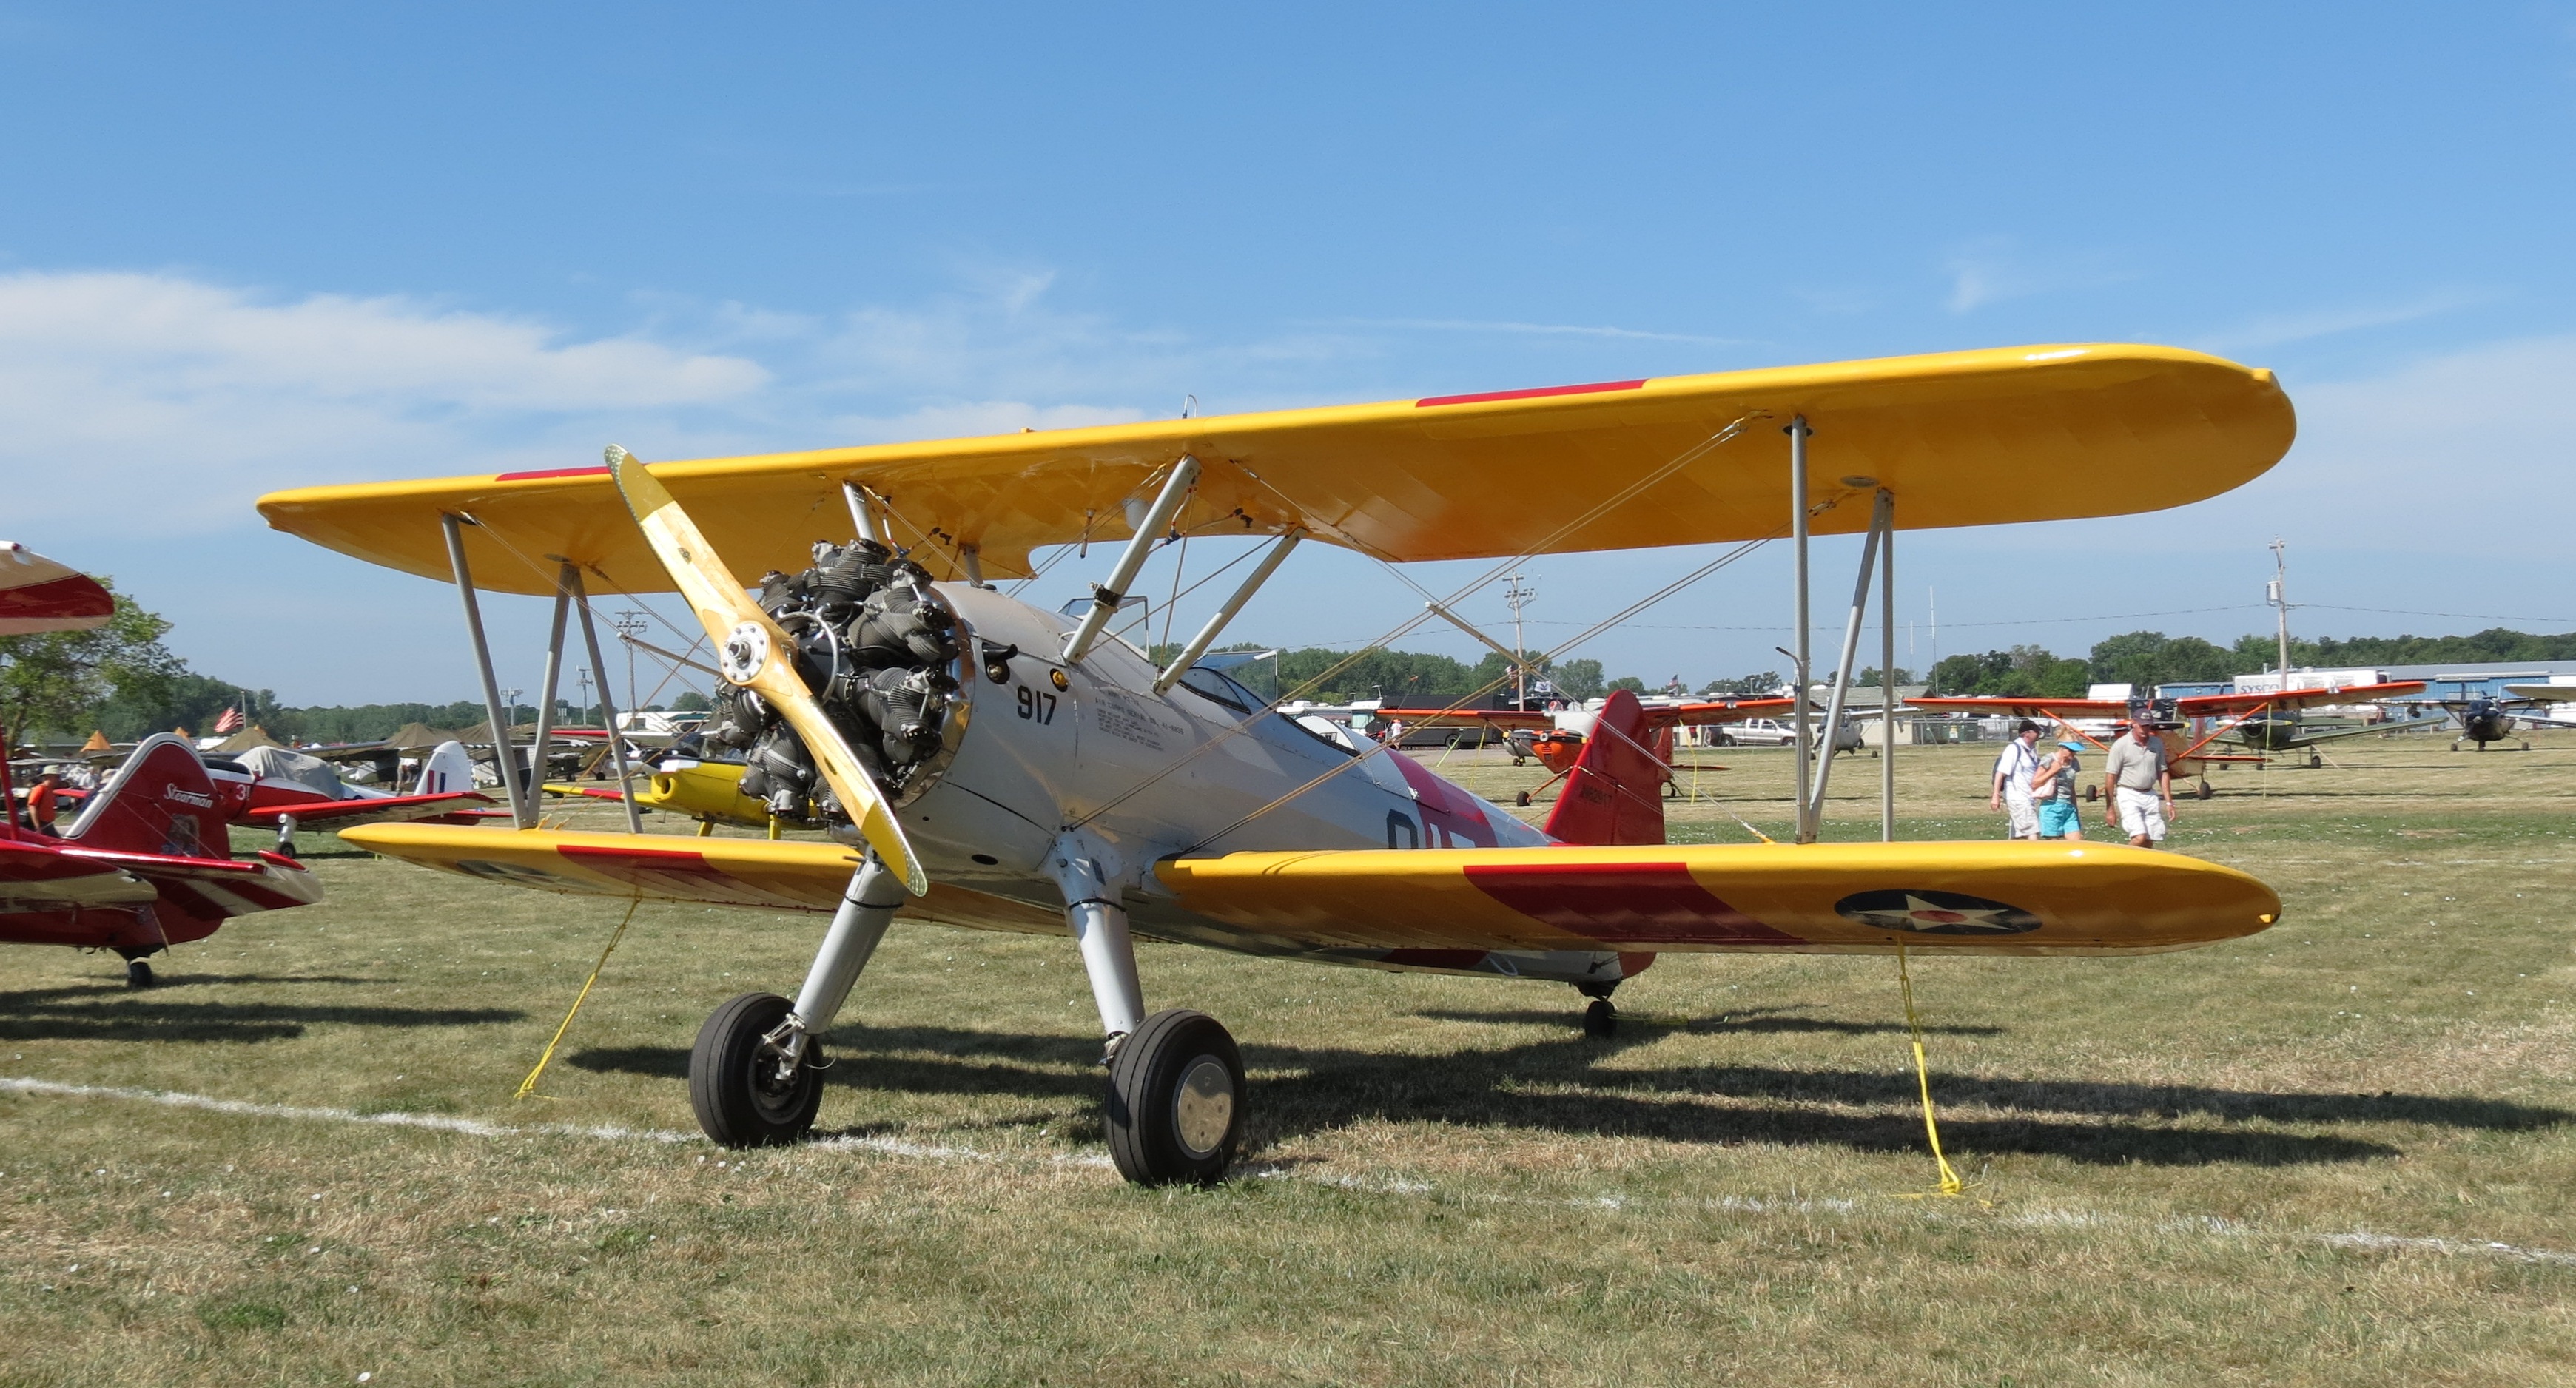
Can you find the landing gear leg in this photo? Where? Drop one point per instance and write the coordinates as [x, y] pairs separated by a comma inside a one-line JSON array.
[[755, 1076], [286, 835], [1176, 1090]]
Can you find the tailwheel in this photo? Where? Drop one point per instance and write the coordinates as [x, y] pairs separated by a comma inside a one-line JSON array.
[[2316, 760], [746, 1091], [1601, 1018], [1176, 1101], [1522, 799], [138, 974]]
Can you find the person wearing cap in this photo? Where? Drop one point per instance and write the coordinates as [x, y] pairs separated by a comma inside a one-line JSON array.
[[2052, 785], [2138, 785], [2011, 789]]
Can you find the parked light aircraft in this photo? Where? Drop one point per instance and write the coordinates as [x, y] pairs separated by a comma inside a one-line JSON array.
[[2260, 723], [148, 863], [2484, 718], [992, 763], [1556, 737]]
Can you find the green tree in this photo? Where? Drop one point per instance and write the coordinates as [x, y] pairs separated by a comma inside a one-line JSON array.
[[55, 681], [1630, 683], [1578, 679]]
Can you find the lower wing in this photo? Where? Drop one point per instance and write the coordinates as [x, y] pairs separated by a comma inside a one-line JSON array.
[[373, 810], [779, 875], [1979, 898]]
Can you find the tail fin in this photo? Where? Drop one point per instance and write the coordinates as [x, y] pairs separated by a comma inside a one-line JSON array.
[[161, 801], [447, 770], [1615, 793]]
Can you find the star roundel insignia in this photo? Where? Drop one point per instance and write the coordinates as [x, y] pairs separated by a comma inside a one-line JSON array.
[[1927, 912]]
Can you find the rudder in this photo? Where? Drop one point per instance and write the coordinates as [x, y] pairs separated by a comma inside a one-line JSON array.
[[161, 801], [1615, 793]]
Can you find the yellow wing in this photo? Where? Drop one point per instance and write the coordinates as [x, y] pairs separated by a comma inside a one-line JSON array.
[[1979, 898], [793, 876], [1962, 438]]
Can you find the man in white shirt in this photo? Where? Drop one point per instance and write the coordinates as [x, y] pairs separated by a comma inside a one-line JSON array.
[[2014, 767], [2138, 784]]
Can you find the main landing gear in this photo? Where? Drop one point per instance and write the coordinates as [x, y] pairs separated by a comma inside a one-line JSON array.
[[137, 973], [1175, 1107], [755, 1076], [1176, 1091]]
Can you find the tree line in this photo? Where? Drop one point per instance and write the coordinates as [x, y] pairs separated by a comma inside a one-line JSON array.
[[2145, 658]]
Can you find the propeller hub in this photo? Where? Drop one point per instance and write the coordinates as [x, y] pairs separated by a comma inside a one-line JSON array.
[[746, 650]]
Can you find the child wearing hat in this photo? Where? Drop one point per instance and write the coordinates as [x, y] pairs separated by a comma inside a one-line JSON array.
[[2052, 787]]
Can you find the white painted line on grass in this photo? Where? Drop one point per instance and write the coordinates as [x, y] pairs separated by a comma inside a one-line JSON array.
[[470, 1127], [1374, 1185]]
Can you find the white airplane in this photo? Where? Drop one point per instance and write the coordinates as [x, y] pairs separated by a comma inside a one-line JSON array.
[[995, 764]]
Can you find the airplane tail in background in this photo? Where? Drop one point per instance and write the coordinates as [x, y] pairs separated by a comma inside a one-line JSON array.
[[161, 801], [447, 770], [1615, 793]]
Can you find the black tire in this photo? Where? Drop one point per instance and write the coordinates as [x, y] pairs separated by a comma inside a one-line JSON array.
[[1601, 1019], [2205, 791], [138, 974], [2316, 761], [1176, 1101], [733, 1081], [1522, 798]]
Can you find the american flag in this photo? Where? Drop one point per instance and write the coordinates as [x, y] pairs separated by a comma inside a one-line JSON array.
[[230, 722]]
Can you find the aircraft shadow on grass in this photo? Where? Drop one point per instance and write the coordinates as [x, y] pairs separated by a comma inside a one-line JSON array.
[[114, 1013], [1560, 1085]]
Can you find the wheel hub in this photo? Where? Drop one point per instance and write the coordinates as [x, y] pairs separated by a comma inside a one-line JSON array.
[[1203, 1105]]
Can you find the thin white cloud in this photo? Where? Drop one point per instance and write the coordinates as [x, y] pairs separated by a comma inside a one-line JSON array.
[[1478, 325], [1996, 269], [2273, 330]]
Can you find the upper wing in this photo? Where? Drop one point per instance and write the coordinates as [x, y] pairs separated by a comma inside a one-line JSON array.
[[368, 810], [37, 594], [2061, 708], [781, 874], [1991, 898], [2544, 693], [1961, 438], [2200, 705]]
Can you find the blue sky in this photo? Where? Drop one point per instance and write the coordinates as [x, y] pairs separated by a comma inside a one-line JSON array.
[[248, 249]]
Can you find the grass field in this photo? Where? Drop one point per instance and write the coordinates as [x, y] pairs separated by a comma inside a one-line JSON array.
[[2342, 1151]]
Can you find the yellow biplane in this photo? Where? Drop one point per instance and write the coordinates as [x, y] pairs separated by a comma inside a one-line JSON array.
[[993, 764]]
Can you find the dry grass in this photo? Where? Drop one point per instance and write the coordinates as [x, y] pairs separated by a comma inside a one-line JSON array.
[[2280, 1160]]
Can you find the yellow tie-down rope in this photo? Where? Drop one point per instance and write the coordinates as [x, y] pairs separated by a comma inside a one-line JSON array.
[[1950, 1182], [528, 1086]]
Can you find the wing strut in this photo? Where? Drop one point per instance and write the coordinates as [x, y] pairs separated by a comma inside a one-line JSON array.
[[1106, 597], [519, 810], [1882, 521]]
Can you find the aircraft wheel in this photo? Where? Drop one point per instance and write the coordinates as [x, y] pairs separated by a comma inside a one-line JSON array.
[[734, 1084], [1523, 798], [2315, 761], [1601, 1019], [2205, 791], [1520, 761], [138, 974], [2092, 793], [1176, 1101]]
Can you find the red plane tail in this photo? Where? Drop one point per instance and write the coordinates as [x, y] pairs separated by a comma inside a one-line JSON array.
[[162, 801], [1615, 793]]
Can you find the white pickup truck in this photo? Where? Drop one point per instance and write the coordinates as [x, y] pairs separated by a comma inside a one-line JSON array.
[[1755, 732]]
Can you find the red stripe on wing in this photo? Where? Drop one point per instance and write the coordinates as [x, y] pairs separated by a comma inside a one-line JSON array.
[[1627, 903], [1534, 393]]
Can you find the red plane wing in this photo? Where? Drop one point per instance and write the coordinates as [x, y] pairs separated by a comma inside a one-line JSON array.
[[2060, 708], [1704, 714], [2201, 705], [388, 809]]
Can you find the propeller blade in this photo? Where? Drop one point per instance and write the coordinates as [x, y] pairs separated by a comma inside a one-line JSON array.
[[752, 653]]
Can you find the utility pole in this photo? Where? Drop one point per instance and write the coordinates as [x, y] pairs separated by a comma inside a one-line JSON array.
[[2280, 600], [629, 622], [1519, 597]]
